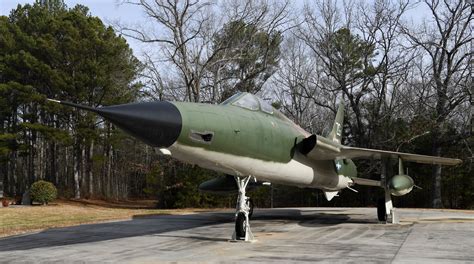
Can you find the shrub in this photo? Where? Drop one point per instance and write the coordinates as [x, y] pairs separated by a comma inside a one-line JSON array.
[[43, 192], [5, 202]]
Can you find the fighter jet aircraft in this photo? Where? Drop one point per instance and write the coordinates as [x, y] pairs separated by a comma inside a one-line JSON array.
[[247, 139]]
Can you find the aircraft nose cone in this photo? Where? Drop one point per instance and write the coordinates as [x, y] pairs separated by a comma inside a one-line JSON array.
[[156, 123]]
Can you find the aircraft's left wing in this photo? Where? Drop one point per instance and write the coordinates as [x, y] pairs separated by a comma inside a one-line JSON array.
[[329, 148], [363, 153], [320, 148]]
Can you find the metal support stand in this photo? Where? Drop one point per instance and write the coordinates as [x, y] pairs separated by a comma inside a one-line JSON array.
[[242, 230]]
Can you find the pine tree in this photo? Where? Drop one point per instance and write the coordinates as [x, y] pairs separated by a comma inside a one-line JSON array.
[[49, 50]]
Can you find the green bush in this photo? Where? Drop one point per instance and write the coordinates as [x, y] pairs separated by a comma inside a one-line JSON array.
[[43, 192]]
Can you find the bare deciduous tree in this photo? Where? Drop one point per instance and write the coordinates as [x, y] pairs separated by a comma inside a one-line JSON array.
[[184, 30], [445, 43], [185, 33], [293, 80], [377, 23]]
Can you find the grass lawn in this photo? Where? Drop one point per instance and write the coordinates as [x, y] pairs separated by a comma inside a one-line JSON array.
[[17, 220]]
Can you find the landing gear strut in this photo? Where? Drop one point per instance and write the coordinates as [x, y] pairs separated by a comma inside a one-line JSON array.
[[243, 212], [385, 210], [381, 211], [250, 205]]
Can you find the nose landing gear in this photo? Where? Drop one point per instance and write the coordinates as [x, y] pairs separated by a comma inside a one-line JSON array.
[[243, 212]]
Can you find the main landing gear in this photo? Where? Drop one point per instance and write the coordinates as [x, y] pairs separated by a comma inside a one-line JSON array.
[[243, 212], [385, 211]]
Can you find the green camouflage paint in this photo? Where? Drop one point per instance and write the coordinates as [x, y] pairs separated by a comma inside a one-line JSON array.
[[243, 132], [346, 167], [239, 131], [400, 184]]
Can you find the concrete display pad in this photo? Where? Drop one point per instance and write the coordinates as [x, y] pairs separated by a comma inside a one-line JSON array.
[[283, 235]]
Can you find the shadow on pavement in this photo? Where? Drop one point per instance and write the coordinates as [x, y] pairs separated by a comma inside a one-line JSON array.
[[160, 224]]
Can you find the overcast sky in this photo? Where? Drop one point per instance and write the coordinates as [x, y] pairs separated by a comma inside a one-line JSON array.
[[105, 9], [111, 11]]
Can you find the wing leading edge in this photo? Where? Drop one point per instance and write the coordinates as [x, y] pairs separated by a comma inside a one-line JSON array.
[[320, 148], [329, 148], [363, 153]]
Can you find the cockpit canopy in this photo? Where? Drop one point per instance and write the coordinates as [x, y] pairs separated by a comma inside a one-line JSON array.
[[249, 101]]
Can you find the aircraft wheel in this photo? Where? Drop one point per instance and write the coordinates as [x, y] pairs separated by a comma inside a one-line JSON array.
[[381, 211], [240, 225], [250, 204]]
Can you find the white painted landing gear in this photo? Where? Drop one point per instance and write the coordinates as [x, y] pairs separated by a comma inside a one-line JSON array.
[[385, 210], [242, 230]]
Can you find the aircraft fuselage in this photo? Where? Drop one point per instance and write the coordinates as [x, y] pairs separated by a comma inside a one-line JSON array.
[[245, 137], [241, 142]]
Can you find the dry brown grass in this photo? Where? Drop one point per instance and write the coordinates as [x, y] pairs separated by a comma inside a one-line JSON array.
[[17, 220]]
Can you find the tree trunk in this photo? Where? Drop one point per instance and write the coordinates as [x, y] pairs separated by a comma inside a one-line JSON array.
[[65, 180], [77, 188], [83, 171], [77, 167], [31, 159], [436, 179], [54, 164], [108, 190], [89, 168], [4, 175]]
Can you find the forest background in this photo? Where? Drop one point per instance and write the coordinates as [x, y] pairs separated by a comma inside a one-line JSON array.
[[407, 86]]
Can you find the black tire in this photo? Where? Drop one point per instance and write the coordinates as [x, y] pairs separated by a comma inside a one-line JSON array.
[[250, 204], [381, 211], [240, 226]]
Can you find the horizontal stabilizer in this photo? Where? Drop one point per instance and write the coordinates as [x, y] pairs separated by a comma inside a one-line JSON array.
[[366, 182], [330, 195]]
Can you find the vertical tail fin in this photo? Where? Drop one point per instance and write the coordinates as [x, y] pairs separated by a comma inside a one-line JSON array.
[[336, 132]]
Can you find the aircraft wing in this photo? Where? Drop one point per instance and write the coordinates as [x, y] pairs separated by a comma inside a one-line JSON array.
[[363, 153], [329, 148], [320, 148]]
